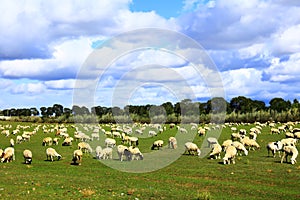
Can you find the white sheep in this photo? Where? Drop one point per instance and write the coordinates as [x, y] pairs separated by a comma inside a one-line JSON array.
[[133, 141], [110, 142], [106, 153], [136, 153], [230, 153], [192, 148], [95, 136], [252, 144], [98, 151], [77, 156], [216, 151], [157, 144], [172, 142], [273, 147], [8, 154], [12, 142], [240, 147], [226, 143], [290, 151], [152, 133], [19, 139], [124, 151], [67, 141], [289, 141], [47, 141], [27, 154], [51, 153], [84, 147], [55, 141]]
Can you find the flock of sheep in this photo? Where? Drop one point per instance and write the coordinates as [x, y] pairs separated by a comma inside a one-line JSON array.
[[240, 143]]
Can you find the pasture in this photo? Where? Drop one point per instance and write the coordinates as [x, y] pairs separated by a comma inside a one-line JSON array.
[[255, 176]]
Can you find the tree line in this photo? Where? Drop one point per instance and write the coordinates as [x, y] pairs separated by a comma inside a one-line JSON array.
[[238, 109]]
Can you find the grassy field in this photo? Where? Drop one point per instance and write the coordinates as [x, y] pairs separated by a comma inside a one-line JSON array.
[[255, 176]]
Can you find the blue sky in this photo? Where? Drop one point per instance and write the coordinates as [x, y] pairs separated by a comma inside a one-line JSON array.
[[46, 48]]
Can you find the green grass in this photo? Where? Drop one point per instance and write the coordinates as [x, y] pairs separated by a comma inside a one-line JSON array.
[[255, 176]]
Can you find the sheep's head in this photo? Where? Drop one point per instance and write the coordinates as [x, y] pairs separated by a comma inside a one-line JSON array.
[[246, 152], [198, 152], [58, 157]]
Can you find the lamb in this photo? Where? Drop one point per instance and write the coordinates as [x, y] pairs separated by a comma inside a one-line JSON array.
[[51, 153], [157, 144], [8, 154], [172, 142], [77, 157], [12, 142], [253, 135], [230, 154], [240, 148], [110, 142], [27, 154], [216, 151], [123, 151], [292, 151], [84, 147], [47, 141], [192, 147], [273, 147], [136, 153]]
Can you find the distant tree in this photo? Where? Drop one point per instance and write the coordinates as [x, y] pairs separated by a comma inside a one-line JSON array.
[[241, 104], [67, 112], [50, 111], [57, 109], [43, 111], [34, 111], [279, 104], [169, 108], [217, 105]]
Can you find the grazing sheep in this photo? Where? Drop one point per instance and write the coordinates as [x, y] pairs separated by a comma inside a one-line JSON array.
[[201, 131], [216, 151], [289, 142], [106, 153], [51, 153], [55, 141], [230, 154], [98, 151], [95, 136], [157, 144], [27, 154], [19, 139], [297, 135], [273, 147], [123, 151], [182, 130], [275, 131], [12, 142], [172, 142], [136, 153], [211, 141], [236, 136], [240, 148], [226, 143], [152, 133], [8, 154], [67, 141], [133, 141], [110, 142], [85, 147], [290, 151], [192, 147], [250, 143], [253, 135], [77, 157], [47, 141]]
